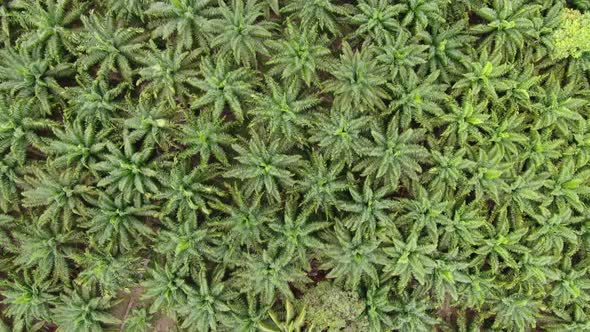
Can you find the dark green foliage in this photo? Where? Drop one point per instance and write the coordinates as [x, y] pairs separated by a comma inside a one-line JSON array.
[[185, 246], [294, 165], [508, 24], [187, 20], [28, 301], [270, 273], [94, 101], [128, 173], [45, 251], [117, 224], [290, 323], [167, 287], [245, 222], [358, 80], [317, 14], [222, 85], [49, 25], [167, 73], [320, 183], [300, 55], [393, 154], [20, 121], [138, 320], [28, 74], [377, 20], [205, 136], [80, 310], [76, 146], [263, 167], [109, 274], [297, 235], [351, 258], [62, 196], [107, 45], [339, 135], [283, 111], [238, 33], [207, 304]]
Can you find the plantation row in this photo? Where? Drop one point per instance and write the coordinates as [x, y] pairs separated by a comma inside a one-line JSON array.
[[296, 165]]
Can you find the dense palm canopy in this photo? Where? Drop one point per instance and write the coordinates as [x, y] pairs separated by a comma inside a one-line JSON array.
[[294, 165]]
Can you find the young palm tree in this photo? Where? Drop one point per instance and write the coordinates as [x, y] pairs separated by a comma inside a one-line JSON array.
[[185, 20], [81, 310], [263, 166], [394, 156], [352, 258], [358, 82], [282, 110], [50, 24], [207, 307], [239, 32], [168, 73], [26, 74], [28, 301], [300, 55], [269, 273], [318, 14], [19, 122], [106, 44], [223, 84]]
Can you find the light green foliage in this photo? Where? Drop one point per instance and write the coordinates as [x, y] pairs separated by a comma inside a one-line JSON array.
[[332, 309], [293, 322], [573, 36]]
